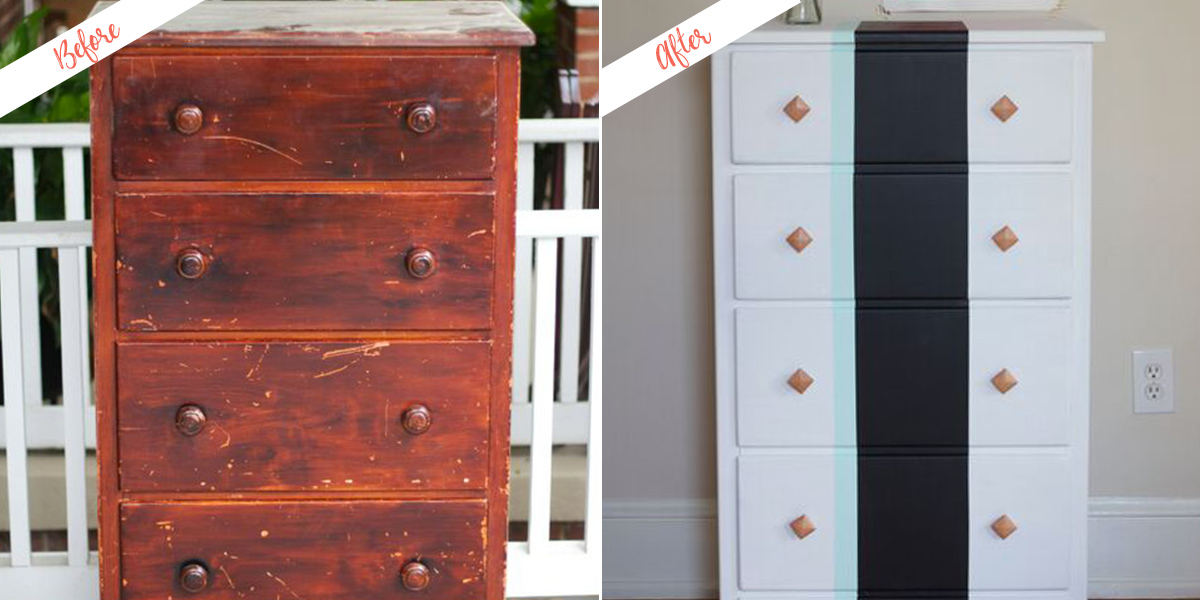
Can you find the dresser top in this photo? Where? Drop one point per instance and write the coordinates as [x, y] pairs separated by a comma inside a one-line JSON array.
[[340, 23], [982, 29]]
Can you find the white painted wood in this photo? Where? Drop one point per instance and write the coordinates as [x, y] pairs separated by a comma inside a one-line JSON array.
[[558, 131], [44, 428], [561, 569], [763, 83], [45, 234], [51, 583], [522, 288], [774, 490], [771, 344], [767, 209], [572, 279], [72, 269], [559, 223], [1034, 344], [1037, 207], [11, 347], [901, 6], [1034, 491], [546, 251], [1039, 82], [45, 135], [31, 340], [982, 28]]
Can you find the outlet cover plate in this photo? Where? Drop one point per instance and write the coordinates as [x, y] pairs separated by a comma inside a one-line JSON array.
[[1153, 381]]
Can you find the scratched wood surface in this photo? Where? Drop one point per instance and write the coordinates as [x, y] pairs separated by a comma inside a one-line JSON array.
[[304, 117], [303, 416], [293, 261], [304, 550], [352, 23]]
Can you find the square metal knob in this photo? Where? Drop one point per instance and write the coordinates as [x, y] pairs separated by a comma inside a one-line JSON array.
[[1004, 109], [1005, 238], [1004, 381], [797, 109], [799, 240], [800, 381], [1004, 527], [803, 527]]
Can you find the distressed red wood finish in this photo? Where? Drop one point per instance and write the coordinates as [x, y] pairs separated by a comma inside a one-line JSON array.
[[304, 241], [312, 550], [288, 261], [305, 117], [280, 416]]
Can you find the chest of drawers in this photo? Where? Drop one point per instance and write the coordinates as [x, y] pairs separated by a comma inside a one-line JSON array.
[[901, 250], [304, 232]]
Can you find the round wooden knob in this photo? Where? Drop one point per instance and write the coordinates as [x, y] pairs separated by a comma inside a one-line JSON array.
[[417, 419], [420, 263], [191, 263], [415, 576], [193, 577], [422, 118], [190, 419], [188, 119]]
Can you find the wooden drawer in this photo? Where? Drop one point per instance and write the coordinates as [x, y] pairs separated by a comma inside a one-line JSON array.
[[772, 344], [764, 83], [1034, 492], [1041, 85], [264, 117], [303, 416], [311, 550], [773, 491], [1037, 209], [316, 262], [792, 234], [1032, 344]]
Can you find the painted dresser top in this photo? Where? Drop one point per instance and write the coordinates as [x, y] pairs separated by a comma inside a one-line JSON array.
[[340, 23], [981, 29]]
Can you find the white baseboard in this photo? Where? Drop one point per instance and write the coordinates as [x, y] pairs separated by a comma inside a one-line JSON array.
[[660, 549], [1138, 548]]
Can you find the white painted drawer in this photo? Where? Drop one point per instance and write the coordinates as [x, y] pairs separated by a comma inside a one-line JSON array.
[[1033, 344], [772, 343], [1034, 491], [1041, 84], [775, 490], [1037, 208], [768, 209], [764, 82]]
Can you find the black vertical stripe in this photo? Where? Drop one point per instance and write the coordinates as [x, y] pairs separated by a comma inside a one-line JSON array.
[[912, 328]]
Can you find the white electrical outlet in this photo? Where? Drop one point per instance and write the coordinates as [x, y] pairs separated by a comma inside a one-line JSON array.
[[1153, 381]]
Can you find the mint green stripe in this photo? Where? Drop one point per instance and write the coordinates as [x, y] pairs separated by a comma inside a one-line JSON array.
[[845, 416]]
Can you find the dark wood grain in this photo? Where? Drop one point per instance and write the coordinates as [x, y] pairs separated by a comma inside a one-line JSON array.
[[305, 117], [307, 550], [301, 416], [304, 262]]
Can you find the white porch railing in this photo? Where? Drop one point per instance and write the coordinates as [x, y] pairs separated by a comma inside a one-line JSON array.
[[546, 325]]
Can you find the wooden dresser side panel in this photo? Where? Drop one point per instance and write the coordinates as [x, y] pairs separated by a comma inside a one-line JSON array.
[[104, 306]]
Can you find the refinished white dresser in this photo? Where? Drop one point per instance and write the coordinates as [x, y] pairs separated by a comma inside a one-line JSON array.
[[902, 245]]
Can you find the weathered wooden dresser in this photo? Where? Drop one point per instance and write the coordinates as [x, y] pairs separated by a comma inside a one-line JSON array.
[[304, 233], [902, 245]]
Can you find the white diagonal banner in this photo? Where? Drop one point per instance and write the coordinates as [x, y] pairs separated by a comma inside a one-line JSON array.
[[686, 44], [83, 46]]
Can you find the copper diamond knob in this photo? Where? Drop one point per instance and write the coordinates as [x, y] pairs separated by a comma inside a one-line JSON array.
[[803, 527], [797, 109], [1004, 527], [1005, 239], [800, 381], [799, 240], [1004, 381], [1004, 109]]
